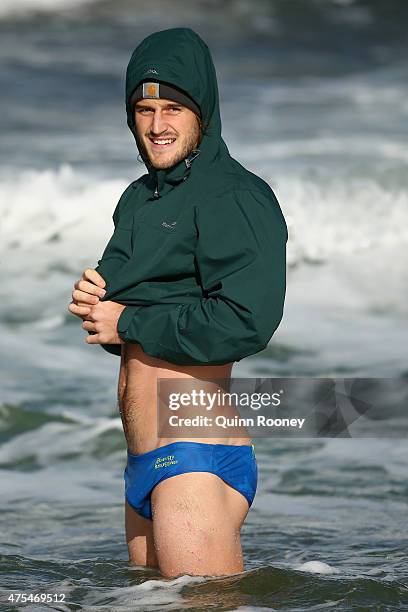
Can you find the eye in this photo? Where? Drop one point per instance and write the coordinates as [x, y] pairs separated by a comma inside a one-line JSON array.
[[175, 108]]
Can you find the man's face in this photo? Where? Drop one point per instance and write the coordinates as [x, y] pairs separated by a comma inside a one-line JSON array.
[[163, 120]]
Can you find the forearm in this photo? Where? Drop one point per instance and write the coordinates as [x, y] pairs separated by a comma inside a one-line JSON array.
[[209, 332]]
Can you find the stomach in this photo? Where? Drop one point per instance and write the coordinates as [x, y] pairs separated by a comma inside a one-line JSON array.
[[146, 427]]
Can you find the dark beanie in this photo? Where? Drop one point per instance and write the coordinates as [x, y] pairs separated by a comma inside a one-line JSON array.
[[150, 89]]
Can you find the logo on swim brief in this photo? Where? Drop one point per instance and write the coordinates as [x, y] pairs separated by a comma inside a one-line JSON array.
[[162, 462]]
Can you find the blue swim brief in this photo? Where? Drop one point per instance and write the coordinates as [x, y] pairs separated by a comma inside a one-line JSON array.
[[236, 465]]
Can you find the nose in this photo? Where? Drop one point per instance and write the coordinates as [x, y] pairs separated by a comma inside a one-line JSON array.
[[158, 124]]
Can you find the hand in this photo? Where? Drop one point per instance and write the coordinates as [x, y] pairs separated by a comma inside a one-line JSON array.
[[86, 293], [102, 323]]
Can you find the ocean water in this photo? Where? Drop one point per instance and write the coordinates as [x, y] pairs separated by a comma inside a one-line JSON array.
[[314, 100]]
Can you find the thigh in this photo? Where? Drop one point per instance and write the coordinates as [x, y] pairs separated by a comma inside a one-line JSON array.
[[139, 538], [197, 520]]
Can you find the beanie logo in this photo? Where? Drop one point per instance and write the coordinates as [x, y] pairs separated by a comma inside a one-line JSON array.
[[152, 71], [151, 90]]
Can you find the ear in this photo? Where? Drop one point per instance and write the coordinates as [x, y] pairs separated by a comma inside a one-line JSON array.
[[200, 124]]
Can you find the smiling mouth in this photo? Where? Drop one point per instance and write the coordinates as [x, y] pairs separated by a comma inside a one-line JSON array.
[[162, 142]]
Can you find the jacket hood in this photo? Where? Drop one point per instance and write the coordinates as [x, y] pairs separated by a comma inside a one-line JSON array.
[[179, 57]]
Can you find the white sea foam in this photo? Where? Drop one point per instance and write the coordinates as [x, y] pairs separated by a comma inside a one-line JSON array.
[[148, 595], [63, 219], [342, 217], [345, 244], [52, 226], [317, 567]]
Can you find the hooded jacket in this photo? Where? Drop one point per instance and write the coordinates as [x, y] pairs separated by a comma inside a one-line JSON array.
[[198, 253]]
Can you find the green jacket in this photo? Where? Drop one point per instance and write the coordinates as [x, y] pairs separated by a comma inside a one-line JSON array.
[[198, 254]]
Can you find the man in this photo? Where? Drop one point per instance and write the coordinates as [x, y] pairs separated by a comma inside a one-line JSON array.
[[194, 279]]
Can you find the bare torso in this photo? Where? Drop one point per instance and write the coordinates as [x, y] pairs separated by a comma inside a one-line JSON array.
[[137, 397]]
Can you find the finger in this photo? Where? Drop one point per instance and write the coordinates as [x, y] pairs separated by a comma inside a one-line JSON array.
[[94, 277], [79, 311], [92, 339], [89, 325], [88, 316], [84, 285], [84, 297]]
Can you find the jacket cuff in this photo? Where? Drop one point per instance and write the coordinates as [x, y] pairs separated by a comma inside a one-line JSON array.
[[126, 318], [113, 349]]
